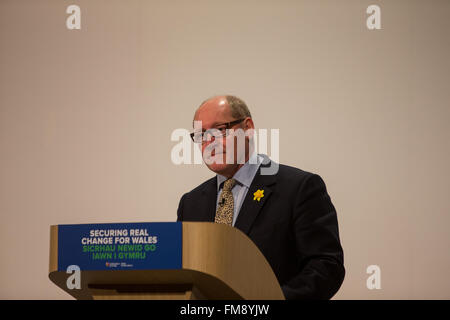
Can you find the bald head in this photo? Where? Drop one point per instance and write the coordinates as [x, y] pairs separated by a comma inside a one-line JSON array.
[[227, 104]]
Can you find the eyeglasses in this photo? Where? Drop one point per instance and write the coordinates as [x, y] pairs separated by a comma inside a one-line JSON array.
[[219, 131]]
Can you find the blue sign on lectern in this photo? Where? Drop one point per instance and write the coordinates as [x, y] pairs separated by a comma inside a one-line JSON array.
[[120, 246]]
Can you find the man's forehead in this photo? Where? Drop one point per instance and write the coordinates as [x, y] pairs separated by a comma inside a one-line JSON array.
[[217, 100], [213, 112], [214, 105], [199, 123]]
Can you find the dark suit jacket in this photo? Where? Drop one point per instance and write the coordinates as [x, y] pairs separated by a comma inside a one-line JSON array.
[[294, 225]]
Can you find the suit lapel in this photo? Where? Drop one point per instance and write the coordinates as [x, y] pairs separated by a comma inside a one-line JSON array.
[[252, 207], [209, 194]]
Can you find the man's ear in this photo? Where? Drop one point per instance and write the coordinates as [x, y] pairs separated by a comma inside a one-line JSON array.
[[249, 128], [248, 122]]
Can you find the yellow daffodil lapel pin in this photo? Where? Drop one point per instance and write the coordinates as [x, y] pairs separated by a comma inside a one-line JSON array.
[[258, 195]]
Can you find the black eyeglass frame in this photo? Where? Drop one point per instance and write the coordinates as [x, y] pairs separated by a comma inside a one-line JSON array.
[[228, 125]]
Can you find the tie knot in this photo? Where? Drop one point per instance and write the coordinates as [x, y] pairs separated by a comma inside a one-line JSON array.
[[228, 184]]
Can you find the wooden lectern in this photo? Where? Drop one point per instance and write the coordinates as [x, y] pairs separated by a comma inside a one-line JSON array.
[[218, 262]]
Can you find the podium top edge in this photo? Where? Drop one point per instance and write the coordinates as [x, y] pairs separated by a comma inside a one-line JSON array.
[[119, 223]]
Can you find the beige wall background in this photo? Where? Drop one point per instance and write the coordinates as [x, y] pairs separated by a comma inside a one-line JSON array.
[[86, 118]]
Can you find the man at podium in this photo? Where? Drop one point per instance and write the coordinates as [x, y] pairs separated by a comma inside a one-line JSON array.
[[286, 211]]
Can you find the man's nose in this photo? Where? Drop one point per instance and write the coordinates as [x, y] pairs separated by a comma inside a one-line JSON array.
[[208, 141], [211, 144]]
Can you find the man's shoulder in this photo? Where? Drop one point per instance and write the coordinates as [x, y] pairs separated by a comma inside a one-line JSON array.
[[272, 167], [292, 178], [290, 173], [208, 184], [293, 171]]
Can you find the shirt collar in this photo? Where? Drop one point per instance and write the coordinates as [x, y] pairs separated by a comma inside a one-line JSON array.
[[245, 174]]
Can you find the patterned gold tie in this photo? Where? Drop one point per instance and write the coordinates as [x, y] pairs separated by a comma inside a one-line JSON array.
[[224, 213]]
